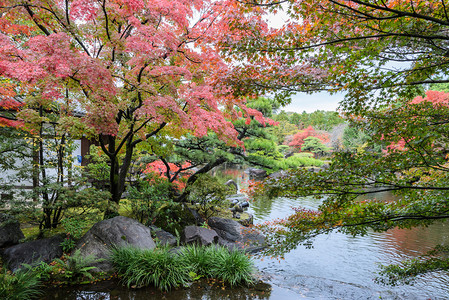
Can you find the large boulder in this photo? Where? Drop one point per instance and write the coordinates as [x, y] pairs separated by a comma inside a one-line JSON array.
[[33, 252], [257, 173], [10, 233], [199, 235], [233, 233], [118, 231]]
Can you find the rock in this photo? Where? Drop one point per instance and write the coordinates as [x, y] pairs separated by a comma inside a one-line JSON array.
[[236, 198], [277, 175], [33, 252], [237, 216], [257, 173], [118, 231], [244, 204], [199, 235], [10, 233], [198, 218], [289, 154], [246, 219], [164, 237], [325, 166], [234, 202], [247, 239], [236, 208], [231, 183], [314, 169]]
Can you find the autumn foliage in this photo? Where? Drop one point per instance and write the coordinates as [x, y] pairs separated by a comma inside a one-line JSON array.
[[176, 174], [122, 72], [300, 136]]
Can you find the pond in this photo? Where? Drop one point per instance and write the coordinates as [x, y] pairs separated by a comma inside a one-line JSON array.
[[337, 267]]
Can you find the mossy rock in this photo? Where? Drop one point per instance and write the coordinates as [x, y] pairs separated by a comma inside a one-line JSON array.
[[246, 219]]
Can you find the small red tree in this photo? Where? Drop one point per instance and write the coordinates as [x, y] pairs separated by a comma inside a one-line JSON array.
[[170, 171], [300, 136]]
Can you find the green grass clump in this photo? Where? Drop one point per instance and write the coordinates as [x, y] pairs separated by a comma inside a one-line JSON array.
[[122, 257], [201, 259], [233, 267], [23, 284], [156, 267], [166, 270]]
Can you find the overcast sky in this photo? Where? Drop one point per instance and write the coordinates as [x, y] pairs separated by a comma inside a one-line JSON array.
[[310, 103]]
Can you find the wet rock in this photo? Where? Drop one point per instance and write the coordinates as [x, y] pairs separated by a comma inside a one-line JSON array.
[[231, 183], [236, 198], [199, 235], [246, 219], [118, 231], [10, 233], [257, 173], [33, 252], [277, 175], [244, 204], [164, 237], [247, 239]]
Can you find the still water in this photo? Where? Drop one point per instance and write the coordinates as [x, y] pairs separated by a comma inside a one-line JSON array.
[[337, 267]]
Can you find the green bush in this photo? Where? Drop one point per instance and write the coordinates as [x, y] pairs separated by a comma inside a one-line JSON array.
[[209, 193], [302, 161], [77, 267], [23, 284], [148, 199]]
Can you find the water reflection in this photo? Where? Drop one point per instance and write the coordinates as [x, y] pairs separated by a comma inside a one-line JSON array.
[[344, 267], [113, 290]]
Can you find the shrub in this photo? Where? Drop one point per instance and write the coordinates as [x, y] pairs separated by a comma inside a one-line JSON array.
[[209, 193], [77, 267], [302, 161], [148, 199], [23, 284], [73, 228]]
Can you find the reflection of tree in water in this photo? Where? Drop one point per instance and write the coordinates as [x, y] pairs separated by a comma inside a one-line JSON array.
[[109, 290], [415, 241], [418, 240], [237, 173]]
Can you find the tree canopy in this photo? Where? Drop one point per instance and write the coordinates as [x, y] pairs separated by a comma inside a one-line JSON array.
[[120, 72], [375, 51]]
